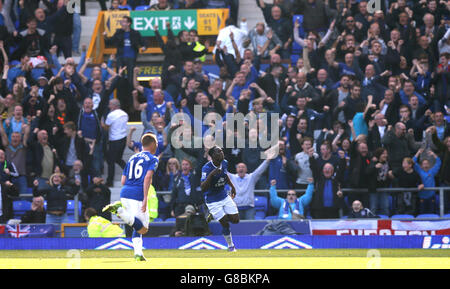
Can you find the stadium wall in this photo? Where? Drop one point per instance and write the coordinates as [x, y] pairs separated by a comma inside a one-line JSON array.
[[242, 242]]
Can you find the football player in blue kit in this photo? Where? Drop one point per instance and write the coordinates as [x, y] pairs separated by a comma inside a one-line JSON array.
[[136, 180], [219, 203]]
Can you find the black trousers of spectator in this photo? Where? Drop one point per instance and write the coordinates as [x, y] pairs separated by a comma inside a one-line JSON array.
[[130, 63], [102, 5], [179, 208], [325, 213], [7, 206], [300, 186], [234, 10], [114, 155], [64, 44]]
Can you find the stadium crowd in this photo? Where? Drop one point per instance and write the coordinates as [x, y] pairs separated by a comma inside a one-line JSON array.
[[362, 99]]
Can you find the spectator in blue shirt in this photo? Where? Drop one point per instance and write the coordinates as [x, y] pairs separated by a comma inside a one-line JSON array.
[[127, 41], [278, 168], [427, 172], [291, 207]]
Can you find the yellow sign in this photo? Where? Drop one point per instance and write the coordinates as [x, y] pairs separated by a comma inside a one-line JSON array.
[[210, 21], [112, 21]]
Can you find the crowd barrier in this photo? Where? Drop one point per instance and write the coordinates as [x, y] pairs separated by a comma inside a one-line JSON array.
[[392, 191], [243, 242], [306, 227]]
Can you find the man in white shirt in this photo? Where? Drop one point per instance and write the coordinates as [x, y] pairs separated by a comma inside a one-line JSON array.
[[116, 125], [245, 185], [239, 34]]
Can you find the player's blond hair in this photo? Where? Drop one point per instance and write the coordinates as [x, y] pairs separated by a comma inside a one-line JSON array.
[[148, 139]]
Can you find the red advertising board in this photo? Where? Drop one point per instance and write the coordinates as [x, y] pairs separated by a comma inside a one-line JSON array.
[[380, 227]]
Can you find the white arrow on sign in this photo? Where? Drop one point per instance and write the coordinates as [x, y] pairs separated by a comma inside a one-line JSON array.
[[189, 23]]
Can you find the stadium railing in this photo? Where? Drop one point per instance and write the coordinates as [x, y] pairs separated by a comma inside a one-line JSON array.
[[391, 191], [207, 23], [266, 193]]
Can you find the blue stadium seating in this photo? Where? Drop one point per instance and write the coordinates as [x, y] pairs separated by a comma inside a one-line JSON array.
[[71, 211], [271, 217], [141, 8], [71, 207], [383, 217], [170, 220], [344, 217], [402, 217], [427, 216], [447, 216], [260, 215], [128, 7], [157, 220], [261, 204], [20, 207]]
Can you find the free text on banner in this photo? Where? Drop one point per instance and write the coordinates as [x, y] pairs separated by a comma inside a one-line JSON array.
[[205, 21]]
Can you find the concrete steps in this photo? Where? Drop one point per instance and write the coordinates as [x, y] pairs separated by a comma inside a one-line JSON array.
[[249, 10]]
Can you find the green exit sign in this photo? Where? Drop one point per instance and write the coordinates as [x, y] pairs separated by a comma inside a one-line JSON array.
[[145, 21]]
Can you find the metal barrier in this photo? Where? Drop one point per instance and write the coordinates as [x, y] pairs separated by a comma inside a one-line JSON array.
[[364, 190], [347, 190]]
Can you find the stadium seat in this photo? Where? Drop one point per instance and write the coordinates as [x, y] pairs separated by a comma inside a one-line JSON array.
[[271, 217], [383, 217], [261, 203], [402, 217], [294, 58], [157, 220], [71, 208], [391, 203], [20, 207], [141, 8], [447, 216], [128, 7], [30, 191], [427, 216], [260, 215], [170, 220], [344, 217]]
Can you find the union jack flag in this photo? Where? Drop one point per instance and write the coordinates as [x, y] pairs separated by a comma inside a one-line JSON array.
[[18, 231]]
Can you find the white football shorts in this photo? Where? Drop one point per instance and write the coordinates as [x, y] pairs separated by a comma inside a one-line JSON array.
[[133, 207], [221, 208]]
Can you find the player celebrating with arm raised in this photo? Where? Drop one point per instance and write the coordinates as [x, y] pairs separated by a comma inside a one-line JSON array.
[[219, 203], [136, 180]]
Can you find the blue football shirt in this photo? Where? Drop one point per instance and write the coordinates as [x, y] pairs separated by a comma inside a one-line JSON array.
[[135, 172], [217, 191]]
